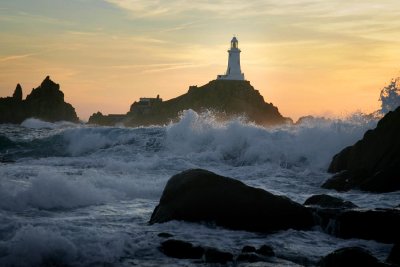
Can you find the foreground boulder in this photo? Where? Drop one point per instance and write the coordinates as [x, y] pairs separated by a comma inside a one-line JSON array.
[[181, 249], [373, 163], [202, 196], [394, 256], [381, 225], [326, 201], [184, 250], [351, 256]]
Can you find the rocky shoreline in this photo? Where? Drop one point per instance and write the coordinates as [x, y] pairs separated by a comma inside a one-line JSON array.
[[204, 197]]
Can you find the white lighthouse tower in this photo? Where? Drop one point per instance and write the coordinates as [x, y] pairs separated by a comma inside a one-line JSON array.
[[233, 71]]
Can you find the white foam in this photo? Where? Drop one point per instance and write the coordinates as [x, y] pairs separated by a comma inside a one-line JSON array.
[[48, 188], [313, 143], [34, 123]]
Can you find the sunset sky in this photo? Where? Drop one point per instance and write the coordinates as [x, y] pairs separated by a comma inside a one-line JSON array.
[[314, 57]]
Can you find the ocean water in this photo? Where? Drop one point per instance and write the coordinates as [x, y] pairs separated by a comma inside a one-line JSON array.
[[77, 195]]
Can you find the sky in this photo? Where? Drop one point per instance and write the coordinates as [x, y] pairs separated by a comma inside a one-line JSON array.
[[307, 57]]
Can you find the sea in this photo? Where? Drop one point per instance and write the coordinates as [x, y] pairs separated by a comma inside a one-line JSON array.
[[82, 195]]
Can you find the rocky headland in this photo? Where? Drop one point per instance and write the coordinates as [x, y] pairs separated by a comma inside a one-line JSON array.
[[225, 98], [46, 102]]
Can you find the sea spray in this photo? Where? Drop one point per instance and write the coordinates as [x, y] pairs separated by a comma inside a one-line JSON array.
[[88, 192], [238, 143]]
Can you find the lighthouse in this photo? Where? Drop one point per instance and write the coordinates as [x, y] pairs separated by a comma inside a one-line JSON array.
[[233, 72]]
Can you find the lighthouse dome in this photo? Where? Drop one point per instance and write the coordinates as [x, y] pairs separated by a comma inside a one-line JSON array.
[[234, 43]]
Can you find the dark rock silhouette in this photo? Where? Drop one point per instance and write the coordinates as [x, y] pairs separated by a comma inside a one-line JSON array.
[[46, 102], [226, 98], [181, 249], [350, 256], [394, 256], [381, 225], [265, 250], [17, 96], [12, 108], [326, 201], [202, 196], [185, 250], [372, 164], [213, 255]]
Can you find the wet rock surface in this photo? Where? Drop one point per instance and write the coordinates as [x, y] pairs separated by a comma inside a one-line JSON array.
[[202, 196]]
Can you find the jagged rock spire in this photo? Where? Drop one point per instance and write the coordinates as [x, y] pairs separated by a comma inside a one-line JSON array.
[[18, 93]]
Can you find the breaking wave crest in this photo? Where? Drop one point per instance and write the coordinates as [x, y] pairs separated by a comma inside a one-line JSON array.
[[313, 143]]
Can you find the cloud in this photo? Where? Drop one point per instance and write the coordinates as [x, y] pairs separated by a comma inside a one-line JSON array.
[[15, 57], [240, 8], [150, 68]]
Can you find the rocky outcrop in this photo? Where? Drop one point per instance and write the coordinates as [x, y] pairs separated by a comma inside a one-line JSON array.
[[351, 256], [46, 102], [226, 98], [12, 108], [326, 201], [373, 163], [17, 95], [202, 196]]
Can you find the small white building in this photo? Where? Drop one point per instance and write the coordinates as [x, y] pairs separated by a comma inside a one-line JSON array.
[[233, 71]]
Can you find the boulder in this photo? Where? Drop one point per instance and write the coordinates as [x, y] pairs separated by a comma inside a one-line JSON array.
[[381, 225], [213, 255], [181, 249], [351, 256], [202, 196], [371, 164], [326, 201], [184, 250], [265, 251]]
